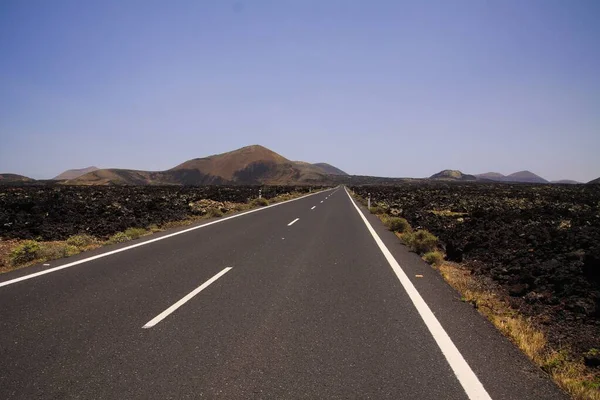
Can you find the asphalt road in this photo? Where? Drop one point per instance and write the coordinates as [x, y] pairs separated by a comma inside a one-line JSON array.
[[298, 301]]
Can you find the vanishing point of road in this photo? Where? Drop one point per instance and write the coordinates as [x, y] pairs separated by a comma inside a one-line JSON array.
[[308, 299]]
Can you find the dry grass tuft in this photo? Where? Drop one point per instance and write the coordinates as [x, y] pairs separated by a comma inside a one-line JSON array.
[[448, 213], [214, 212], [134, 233], [154, 228], [421, 241], [259, 202], [15, 254], [435, 258], [55, 250], [395, 224], [83, 241], [25, 252], [119, 237], [377, 210]]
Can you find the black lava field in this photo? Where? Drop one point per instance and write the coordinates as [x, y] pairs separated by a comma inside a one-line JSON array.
[[540, 244], [57, 212]]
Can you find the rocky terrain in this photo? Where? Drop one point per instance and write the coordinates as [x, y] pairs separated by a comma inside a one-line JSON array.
[[540, 244], [57, 212]]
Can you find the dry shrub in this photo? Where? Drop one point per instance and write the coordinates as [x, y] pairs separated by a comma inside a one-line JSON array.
[[377, 210], [56, 250], [25, 252], [82, 241], [134, 233], [395, 224], [154, 228], [118, 237], [421, 241], [259, 202], [434, 258], [214, 212]]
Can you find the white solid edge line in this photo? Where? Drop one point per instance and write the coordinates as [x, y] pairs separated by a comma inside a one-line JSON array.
[[293, 222], [184, 300], [108, 253], [313, 207], [464, 373]]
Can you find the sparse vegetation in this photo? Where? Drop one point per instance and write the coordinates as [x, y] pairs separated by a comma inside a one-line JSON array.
[[421, 241], [448, 213], [564, 224], [180, 223], [260, 202], [30, 251], [238, 207], [435, 258], [119, 237], [154, 228], [82, 241], [214, 212], [55, 250], [26, 252], [566, 370], [282, 197], [377, 210], [395, 224], [134, 233]]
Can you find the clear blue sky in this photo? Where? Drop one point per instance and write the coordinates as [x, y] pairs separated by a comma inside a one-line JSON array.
[[388, 88]]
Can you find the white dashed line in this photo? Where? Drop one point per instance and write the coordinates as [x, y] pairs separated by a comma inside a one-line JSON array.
[[313, 207], [184, 300], [293, 222]]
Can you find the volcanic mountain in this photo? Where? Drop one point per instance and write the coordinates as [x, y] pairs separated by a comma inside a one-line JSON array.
[[74, 173], [525, 176], [14, 178], [521, 176], [330, 169], [494, 176], [453, 175], [248, 165]]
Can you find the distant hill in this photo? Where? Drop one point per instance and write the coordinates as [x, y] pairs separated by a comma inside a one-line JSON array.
[[521, 176], [495, 176], [566, 181], [249, 165], [525, 176], [595, 181], [74, 173], [14, 178], [116, 176], [454, 175], [330, 169]]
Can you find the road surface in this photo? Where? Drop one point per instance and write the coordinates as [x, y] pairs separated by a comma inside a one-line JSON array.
[[309, 299]]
